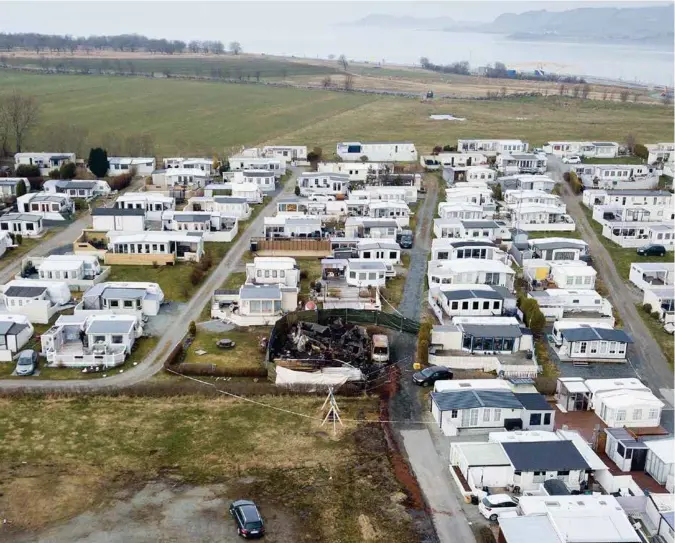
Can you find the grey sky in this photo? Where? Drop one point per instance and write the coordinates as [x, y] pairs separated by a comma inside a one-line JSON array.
[[234, 20]]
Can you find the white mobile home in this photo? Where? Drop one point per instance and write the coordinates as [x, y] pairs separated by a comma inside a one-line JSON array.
[[273, 270], [139, 165], [469, 300], [628, 407], [25, 224], [558, 248], [445, 159], [492, 147], [515, 163], [332, 185], [662, 153], [617, 176], [115, 218], [388, 252], [264, 179], [363, 274], [517, 197], [377, 151], [37, 300], [47, 162], [631, 234], [133, 298], [470, 271], [53, 207], [151, 247], [627, 198], [76, 188], [357, 171], [8, 186], [462, 211], [451, 249], [541, 218], [275, 165], [589, 149], [526, 182], [575, 274], [358, 228], [214, 225], [287, 153], [468, 229], [468, 174], [256, 305], [75, 270], [585, 342], [557, 303], [648, 275], [292, 227], [399, 211], [203, 164], [227, 206], [153, 204], [15, 332], [5, 241]]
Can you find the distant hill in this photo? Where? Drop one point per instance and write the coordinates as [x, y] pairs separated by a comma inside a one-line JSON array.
[[412, 23], [649, 24], [636, 25]]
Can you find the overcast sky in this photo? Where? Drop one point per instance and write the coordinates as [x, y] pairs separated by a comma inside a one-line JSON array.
[[235, 20]]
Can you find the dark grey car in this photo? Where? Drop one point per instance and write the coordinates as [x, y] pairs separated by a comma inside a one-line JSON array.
[[249, 522]]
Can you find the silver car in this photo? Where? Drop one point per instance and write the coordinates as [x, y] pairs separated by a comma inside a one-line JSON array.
[[27, 362]]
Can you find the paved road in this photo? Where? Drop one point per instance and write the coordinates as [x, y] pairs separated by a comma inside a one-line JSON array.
[[647, 358], [176, 330], [428, 464]]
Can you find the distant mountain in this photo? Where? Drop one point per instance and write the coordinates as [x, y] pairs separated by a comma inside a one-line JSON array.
[[413, 23], [649, 24]]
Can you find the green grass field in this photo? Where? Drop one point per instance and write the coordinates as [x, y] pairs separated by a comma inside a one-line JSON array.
[[203, 118]]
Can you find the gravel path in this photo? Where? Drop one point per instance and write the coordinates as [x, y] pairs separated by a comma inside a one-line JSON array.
[[645, 354], [176, 330]]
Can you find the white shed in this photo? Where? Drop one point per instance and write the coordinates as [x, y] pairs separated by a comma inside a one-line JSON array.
[[660, 461]]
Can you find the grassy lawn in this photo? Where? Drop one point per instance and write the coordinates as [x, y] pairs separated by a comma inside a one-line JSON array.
[[310, 271], [617, 160], [173, 280], [665, 182], [87, 449], [665, 340], [244, 356], [108, 106], [27, 244], [538, 235]]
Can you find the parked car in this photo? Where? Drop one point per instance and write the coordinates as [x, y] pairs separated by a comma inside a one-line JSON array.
[[322, 197], [428, 376], [247, 517], [572, 160], [494, 505], [652, 250], [27, 362]]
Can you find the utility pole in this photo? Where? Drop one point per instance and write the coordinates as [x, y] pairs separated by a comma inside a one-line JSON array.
[[333, 414]]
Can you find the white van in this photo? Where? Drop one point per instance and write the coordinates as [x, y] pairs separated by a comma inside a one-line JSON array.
[[380, 348]]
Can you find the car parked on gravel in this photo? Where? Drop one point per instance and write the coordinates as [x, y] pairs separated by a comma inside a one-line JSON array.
[[247, 517], [651, 250], [494, 505], [571, 160], [428, 376], [27, 362]]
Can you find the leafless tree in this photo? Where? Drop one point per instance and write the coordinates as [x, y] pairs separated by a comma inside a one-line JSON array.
[[667, 99], [562, 89], [20, 114], [575, 91], [624, 94], [349, 82], [585, 91], [502, 91], [604, 94], [342, 61], [327, 82], [636, 97], [630, 142]]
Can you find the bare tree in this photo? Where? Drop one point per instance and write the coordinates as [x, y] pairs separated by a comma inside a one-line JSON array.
[[502, 91], [349, 82], [235, 47], [636, 97], [327, 82], [624, 94], [20, 113], [575, 91], [342, 61], [604, 94], [667, 99], [585, 91], [630, 142], [562, 89]]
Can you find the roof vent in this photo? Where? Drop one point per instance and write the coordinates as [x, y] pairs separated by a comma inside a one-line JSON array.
[[465, 385], [552, 504]]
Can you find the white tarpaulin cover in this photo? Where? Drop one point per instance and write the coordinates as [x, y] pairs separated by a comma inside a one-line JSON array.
[[316, 380]]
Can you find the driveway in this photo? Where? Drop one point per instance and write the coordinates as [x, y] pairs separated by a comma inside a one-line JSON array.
[[176, 330], [646, 356], [429, 464]]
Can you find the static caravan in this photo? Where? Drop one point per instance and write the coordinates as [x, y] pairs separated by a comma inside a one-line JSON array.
[[377, 151]]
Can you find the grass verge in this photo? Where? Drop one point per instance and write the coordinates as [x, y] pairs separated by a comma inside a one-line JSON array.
[[665, 340]]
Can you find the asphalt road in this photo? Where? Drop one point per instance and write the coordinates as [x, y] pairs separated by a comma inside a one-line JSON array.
[[429, 466], [646, 356], [174, 333]]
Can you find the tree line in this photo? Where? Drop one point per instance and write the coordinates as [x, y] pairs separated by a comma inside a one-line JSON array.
[[123, 43], [498, 71]]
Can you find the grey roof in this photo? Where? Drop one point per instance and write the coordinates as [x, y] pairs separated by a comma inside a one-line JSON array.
[[477, 243], [49, 198], [192, 217], [378, 245], [11, 328], [224, 291], [302, 221], [110, 326], [637, 192], [480, 224], [123, 293], [492, 330], [505, 293], [573, 243], [249, 173], [525, 529], [625, 438], [605, 144], [75, 184], [533, 401], [24, 292], [669, 517], [28, 217], [376, 266], [117, 211], [250, 292], [465, 294], [588, 333], [472, 399], [374, 223], [545, 456], [229, 200], [10, 182]]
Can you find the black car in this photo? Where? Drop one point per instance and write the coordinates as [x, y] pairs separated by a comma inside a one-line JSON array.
[[428, 376], [652, 250], [249, 522]]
